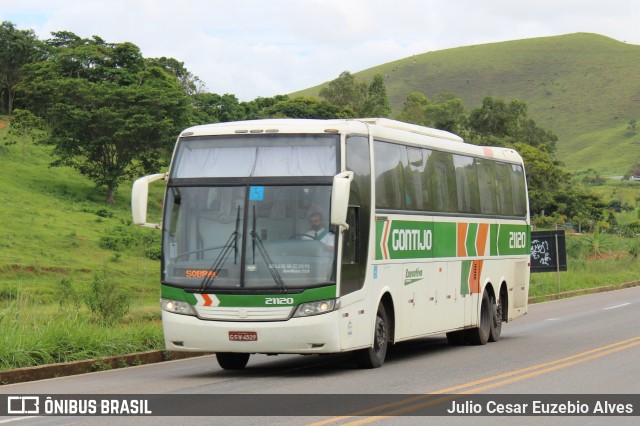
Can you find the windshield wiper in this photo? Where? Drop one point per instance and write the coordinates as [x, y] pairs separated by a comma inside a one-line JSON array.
[[257, 241], [231, 244]]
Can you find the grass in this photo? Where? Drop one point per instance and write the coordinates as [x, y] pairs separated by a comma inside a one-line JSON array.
[[585, 274], [56, 234], [45, 335]]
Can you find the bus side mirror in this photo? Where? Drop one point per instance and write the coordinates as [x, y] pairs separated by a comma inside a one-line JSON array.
[[340, 198], [140, 198]]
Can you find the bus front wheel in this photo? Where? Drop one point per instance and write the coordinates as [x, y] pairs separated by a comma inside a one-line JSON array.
[[374, 356], [232, 361]]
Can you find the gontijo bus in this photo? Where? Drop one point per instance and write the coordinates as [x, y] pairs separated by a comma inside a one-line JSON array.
[[422, 234]]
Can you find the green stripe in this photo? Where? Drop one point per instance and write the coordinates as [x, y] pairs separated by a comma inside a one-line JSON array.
[[253, 300], [464, 279], [407, 242], [173, 293], [445, 243], [379, 231], [472, 232]]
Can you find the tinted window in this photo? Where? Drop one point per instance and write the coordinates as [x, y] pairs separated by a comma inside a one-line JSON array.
[[391, 159], [518, 189], [442, 179], [412, 178], [467, 184], [487, 186]]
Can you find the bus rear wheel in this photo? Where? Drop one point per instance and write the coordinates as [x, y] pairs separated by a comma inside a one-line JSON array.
[[232, 361], [374, 356], [480, 334], [496, 320]]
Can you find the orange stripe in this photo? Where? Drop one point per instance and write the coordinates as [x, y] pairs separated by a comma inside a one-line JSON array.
[[207, 299], [462, 238], [481, 241], [385, 243], [474, 276]]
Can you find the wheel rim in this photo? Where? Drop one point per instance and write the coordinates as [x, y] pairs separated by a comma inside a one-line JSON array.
[[485, 316], [381, 336], [497, 315]]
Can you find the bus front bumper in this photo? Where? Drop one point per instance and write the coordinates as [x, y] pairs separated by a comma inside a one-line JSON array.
[[310, 335]]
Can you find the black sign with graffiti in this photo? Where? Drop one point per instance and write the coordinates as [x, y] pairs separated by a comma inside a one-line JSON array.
[[548, 251]]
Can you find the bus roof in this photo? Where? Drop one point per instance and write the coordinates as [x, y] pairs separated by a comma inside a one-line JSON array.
[[287, 125], [376, 126]]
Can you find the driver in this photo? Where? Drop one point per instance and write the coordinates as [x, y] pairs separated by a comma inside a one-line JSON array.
[[319, 232]]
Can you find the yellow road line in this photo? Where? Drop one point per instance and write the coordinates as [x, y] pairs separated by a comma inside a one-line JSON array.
[[474, 387]]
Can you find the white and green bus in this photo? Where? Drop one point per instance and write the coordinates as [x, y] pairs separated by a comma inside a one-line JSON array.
[[419, 234]]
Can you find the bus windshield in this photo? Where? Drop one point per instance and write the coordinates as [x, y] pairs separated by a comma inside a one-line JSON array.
[[249, 237], [229, 226]]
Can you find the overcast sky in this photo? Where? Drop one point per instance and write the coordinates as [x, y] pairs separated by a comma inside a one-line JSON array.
[[254, 48]]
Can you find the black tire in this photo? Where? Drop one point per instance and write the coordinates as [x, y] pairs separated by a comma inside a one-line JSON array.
[[374, 356], [457, 338], [232, 360], [496, 320], [480, 334]]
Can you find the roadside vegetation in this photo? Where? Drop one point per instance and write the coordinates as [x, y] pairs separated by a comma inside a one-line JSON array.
[[85, 117], [79, 281], [592, 261]]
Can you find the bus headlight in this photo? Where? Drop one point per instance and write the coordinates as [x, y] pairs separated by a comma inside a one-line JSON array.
[[316, 308], [177, 307]]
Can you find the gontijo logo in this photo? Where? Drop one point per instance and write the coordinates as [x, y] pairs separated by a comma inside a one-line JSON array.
[[405, 239], [411, 239]]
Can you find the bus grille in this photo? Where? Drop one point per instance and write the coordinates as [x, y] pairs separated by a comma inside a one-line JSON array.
[[244, 314]]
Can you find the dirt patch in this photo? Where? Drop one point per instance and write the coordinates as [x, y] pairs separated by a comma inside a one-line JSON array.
[[608, 256], [3, 123], [42, 269]]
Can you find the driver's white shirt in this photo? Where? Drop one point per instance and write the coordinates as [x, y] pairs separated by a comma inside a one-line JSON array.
[[327, 239]]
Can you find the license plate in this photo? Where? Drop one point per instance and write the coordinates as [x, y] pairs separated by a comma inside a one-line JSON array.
[[243, 336]]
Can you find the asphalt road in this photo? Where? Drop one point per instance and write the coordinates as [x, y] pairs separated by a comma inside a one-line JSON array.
[[584, 345]]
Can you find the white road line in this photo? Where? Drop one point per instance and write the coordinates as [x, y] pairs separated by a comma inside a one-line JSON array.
[[17, 419], [617, 306]]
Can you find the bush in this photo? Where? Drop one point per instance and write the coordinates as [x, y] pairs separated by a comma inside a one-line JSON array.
[[122, 238], [105, 300], [119, 239]]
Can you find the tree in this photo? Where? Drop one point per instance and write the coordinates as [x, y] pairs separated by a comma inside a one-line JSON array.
[[376, 103], [17, 48], [191, 84], [446, 113], [26, 127], [497, 122], [414, 109], [257, 108], [544, 178], [497, 118], [214, 108], [346, 92], [111, 114], [307, 108]]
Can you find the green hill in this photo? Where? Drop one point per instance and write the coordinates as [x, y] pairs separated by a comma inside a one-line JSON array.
[[583, 87], [56, 228]]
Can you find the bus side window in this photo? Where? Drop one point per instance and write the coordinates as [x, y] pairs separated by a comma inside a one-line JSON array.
[[350, 252]]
